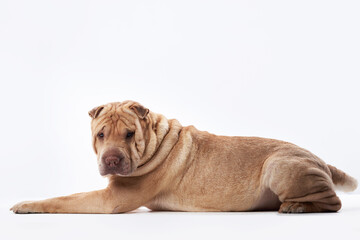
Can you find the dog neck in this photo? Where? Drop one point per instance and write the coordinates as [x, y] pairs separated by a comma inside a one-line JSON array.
[[163, 136]]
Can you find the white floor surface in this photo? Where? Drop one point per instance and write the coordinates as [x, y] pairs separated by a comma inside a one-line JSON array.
[[143, 224]]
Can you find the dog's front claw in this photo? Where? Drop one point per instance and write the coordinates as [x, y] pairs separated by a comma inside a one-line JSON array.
[[23, 207]]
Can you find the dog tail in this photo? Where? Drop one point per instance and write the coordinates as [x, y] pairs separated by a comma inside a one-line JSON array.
[[342, 181]]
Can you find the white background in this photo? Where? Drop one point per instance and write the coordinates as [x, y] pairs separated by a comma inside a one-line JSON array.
[[281, 69]]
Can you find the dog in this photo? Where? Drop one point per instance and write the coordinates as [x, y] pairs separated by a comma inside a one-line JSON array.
[[155, 162]]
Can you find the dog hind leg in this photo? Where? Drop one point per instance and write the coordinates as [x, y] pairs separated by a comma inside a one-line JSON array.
[[302, 186]]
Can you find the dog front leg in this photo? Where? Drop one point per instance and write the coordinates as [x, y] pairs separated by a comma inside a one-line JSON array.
[[101, 201]]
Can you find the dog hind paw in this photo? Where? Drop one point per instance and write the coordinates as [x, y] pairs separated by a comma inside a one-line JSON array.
[[293, 207]]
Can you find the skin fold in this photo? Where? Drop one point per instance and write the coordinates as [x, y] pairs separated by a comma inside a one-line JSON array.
[[155, 162]]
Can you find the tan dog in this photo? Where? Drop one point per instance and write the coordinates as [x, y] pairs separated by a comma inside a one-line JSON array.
[[154, 162]]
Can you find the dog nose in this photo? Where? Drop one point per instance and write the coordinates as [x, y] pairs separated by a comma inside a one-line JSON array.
[[113, 161]]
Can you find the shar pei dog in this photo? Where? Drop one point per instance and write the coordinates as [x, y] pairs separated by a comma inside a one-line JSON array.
[[158, 163]]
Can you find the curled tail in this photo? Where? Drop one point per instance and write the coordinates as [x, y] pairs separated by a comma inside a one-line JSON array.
[[342, 181]]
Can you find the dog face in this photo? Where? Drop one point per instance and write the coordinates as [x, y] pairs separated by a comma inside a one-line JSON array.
[[119, 136]]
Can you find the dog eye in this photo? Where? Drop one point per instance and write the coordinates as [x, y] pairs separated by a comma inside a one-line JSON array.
[[130, 134], [101, 135]]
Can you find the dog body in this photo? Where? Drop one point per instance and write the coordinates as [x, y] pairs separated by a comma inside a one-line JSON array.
[[154, 162], [217, 173]]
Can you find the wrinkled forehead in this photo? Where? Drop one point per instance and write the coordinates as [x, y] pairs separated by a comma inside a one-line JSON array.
[[114, 116]]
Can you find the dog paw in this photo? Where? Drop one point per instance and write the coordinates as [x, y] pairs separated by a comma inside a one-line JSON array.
[[292, 207], [23, 207]]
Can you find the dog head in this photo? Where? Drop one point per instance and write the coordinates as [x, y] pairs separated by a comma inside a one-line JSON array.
[[120, 134]]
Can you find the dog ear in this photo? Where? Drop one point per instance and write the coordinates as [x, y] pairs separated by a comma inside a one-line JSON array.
[[93, 113], [140, 110]]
